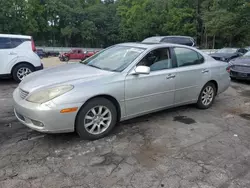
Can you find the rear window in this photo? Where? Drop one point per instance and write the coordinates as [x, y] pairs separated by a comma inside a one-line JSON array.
[[7, 43], [179, 40]]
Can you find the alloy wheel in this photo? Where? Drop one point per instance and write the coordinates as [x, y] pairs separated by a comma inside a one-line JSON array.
[[22, 72], [97, 120], [207, 95]]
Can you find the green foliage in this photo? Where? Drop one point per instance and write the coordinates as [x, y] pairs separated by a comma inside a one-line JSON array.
[[100, 23]]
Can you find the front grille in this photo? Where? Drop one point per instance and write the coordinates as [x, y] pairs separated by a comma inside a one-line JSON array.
[[23, 94], [241, 68]]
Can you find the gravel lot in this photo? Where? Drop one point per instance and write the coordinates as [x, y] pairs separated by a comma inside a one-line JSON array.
[[53, 61], [178, 148]]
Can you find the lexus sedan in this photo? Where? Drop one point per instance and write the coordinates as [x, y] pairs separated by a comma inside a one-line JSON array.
[[227, 54], [118, 83], [239, 68]]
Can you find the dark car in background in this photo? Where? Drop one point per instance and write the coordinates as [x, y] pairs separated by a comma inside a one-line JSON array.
[[227, 54], [239, 68], [184, 40], [41, 53]]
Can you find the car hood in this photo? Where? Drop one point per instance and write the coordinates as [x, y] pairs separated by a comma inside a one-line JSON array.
[[224, 55], [241, 61], [67, 74]]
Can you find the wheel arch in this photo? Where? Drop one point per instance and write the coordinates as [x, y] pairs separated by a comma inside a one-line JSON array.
[[22, 62], [215, 84], [108, 97]]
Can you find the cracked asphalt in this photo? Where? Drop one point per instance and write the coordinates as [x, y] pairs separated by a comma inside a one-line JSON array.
[[177, 148]]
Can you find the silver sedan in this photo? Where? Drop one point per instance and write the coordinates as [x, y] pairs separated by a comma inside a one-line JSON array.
[[121, 82]]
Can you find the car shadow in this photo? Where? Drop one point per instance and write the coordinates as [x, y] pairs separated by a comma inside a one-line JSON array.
[[7, 82], [247, 82]]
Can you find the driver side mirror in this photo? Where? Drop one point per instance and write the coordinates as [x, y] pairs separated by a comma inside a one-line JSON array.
[[142, 70]]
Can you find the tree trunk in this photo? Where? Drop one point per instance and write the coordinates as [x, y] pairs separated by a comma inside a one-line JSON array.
[[199, 23], [206, 41], [213, 41]]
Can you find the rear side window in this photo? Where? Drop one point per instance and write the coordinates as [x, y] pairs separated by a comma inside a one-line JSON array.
[[16, 42], [242, 50], [187, 57], [5, 43]]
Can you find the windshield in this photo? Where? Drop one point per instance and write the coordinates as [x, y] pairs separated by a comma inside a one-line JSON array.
[[115, 58], [247, 54], [227, 50]]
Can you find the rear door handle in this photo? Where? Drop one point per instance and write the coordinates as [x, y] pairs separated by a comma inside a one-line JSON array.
[[170, 76], [205, 71]]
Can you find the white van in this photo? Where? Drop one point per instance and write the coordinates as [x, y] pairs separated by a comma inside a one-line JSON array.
[[18, 57]]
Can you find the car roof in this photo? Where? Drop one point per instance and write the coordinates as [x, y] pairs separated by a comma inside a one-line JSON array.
[[151, 45], [170, 36], [15, 36]]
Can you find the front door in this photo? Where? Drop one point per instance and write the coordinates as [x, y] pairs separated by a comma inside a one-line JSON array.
[[146, 93]]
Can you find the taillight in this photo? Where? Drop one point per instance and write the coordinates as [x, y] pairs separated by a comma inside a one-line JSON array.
[[33, 46], [228, 69]]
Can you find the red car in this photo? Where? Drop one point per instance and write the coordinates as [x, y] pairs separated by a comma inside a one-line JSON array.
[[76, 54]]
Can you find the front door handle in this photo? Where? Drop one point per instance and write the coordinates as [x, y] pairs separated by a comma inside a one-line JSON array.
[[205, 71], [170, 76]]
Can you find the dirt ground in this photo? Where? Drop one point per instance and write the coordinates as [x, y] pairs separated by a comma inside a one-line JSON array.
[[54, 61], [178, 148]]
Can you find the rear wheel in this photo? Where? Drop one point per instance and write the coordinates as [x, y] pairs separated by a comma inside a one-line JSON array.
[[96, 119], [207, 96], [21, 70]]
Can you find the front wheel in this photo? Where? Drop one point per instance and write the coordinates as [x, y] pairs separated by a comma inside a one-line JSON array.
[[66, 58], [20, 71], [207, 96], [96, 119]]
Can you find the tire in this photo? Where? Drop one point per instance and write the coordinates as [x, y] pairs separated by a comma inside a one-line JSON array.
[[21, 68], [201, 101], [86, 120], [66, 59]]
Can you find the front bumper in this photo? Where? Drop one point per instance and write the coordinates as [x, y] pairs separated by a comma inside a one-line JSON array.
[[239, 75], [44, 117]]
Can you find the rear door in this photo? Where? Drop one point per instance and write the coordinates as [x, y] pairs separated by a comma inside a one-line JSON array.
[[192, 74], [8, 55]]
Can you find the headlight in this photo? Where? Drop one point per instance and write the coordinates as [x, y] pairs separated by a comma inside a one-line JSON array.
[[48, 94]]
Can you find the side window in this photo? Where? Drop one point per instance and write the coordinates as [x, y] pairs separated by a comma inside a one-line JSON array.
[[15, 42], [187, 57], [5, 43], [158, 59]]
